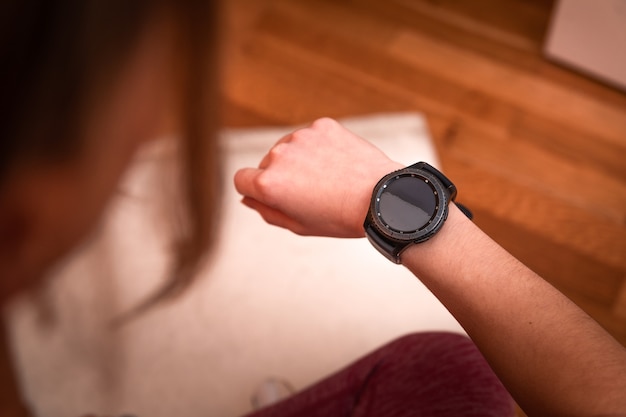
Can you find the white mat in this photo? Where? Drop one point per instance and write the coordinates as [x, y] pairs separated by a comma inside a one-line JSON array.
[[273, 303]]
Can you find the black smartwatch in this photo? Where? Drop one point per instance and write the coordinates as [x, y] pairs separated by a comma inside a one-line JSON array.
[[408, 206]]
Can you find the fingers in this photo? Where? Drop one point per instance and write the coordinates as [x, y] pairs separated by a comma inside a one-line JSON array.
[[291, 187], [273, 153], [257, 184], [272, 216], [246, 180], [250, 183]]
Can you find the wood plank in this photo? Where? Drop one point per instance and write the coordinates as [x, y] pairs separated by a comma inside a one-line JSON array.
[[277, 81], [619, 307], [531, 93], [408, 14], [280, 96], [366, 64], [579, 148], [487, 19], [486, 188], [519, 161]]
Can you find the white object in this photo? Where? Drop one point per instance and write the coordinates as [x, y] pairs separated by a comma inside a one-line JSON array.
[[590, 36]]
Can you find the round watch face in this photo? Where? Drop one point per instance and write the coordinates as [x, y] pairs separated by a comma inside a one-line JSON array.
[[407, 205]]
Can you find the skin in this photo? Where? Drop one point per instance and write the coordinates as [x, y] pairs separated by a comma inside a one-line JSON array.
[[553, 358]]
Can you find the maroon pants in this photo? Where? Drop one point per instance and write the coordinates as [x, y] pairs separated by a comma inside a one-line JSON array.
[[425, 374]]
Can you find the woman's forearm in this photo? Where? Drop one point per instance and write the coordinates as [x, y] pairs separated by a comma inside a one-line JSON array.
[[551, 355]]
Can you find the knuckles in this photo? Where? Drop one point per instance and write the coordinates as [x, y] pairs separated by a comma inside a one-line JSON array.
[[324, 125], [266, 187], [276, 151]]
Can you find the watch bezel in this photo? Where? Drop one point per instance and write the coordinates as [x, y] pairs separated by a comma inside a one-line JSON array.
[[435, 221]]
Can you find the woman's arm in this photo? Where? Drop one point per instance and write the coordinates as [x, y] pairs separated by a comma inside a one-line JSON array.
[[553, 358]]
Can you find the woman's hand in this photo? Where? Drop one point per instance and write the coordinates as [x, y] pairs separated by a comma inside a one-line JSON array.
[[316, 181]]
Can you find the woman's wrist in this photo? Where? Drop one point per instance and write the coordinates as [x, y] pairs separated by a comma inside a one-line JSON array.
[[435, 253]]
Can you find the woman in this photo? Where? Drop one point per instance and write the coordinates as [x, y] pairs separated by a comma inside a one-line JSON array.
[[86, 82]]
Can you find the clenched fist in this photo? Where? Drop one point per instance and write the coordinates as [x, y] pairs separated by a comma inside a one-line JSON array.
[[316, 181]]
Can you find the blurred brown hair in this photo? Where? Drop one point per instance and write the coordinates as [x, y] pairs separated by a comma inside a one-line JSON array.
[[53, 55]]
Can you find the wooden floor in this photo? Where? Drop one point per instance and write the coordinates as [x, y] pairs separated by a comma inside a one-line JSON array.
[[537, 151]]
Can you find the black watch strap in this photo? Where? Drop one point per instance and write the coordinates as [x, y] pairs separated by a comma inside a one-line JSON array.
[[391, 250]]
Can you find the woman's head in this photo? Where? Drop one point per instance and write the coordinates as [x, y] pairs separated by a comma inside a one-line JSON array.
[[84, 83]]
